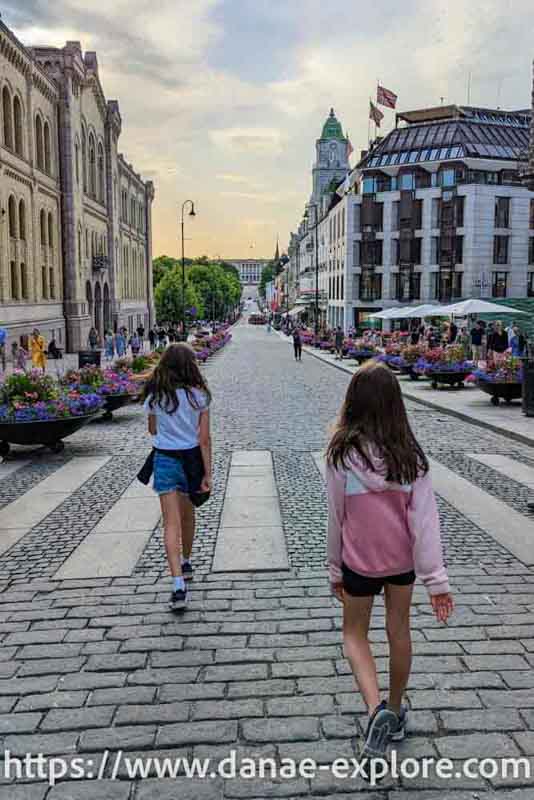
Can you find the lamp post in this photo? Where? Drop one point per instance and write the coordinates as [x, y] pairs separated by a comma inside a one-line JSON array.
[[191, 214]]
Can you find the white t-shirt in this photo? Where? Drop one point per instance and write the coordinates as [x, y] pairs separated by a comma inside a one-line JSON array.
[[178, 430]]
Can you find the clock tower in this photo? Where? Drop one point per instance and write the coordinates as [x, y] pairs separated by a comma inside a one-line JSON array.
[[332, 157]]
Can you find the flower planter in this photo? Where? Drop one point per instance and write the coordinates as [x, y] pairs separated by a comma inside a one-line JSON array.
[[447, 378], [501, 391], [114, 402], [362, 355], [407, 369], [49, 433]]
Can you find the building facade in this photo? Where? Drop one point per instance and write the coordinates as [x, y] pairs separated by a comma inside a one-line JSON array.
[[436, 211], [92, 252], [249, 269]]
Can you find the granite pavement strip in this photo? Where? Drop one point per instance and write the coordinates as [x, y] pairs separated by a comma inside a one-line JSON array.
[[256, 663]]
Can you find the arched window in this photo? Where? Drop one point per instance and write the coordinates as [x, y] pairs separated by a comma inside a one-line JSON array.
[[100, 173], [84, 160], [47, 150], [8, 118], [44, 282], [17, 120], [50, 230], [52, 283], [132, 211], [22, 220], [12, 211], [23, 282], [14, 281], [39, 145], [77, 161], [80, 252], [92, 166], [42, 225]]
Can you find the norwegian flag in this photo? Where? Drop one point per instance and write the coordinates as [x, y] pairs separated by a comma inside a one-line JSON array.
[[375, 114], [385, 97]]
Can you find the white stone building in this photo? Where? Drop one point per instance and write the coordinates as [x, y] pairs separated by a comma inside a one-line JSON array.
[[86, 259], [436, 211], [249, 269]]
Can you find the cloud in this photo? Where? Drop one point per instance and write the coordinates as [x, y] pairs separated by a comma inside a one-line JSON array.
[[231, 94]]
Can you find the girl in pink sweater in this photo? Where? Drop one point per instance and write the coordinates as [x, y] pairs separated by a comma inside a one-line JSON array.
[[383, 531]]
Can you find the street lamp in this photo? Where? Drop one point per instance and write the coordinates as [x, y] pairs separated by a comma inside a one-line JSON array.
[[191, 214]]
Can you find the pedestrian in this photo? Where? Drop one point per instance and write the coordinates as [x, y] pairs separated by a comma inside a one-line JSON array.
[[414, 336], [162, 334], [152, 338], [497, 340], [177, 401], [109, 345], [135, 344], [92, 339], [54, 351], [477, 334], [452, 332], [510, 332], [3, 342], [463, 340], [383, 531], [141, 334], [297, 345], [517, 343], [120, 344], [19, 356], [339, 339], [38, 350]]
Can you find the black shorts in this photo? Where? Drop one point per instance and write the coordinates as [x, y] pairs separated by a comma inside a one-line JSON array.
[[364, 586]]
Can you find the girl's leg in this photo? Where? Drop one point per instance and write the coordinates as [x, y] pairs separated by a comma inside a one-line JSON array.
[[356, 620], [398, 603], [187, 517], [170, 508]]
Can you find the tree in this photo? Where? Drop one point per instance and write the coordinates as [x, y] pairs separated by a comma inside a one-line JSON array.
[[168, 296], [267, 275], [218, 289]]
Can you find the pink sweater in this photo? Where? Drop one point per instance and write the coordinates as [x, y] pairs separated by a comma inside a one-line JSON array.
[[378, 528]]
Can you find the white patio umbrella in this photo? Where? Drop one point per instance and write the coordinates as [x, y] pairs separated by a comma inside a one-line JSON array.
[[420, 312], [388, 313], [475, 306]]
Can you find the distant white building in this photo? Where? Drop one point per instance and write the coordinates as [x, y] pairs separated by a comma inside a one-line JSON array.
[[249, 269]]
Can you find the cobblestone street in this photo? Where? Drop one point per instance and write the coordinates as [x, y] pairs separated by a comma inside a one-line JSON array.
[[98, 663]]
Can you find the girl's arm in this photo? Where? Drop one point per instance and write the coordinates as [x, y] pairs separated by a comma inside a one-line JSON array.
[[205, 448], [335, 483], [423, 521]]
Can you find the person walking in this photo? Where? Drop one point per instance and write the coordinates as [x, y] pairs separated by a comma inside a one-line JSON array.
[[141, 334], [120, 344], [92, 339], [19, 356], [339, 339], [297, 345], [135, 344], [152, 339], [497, 340], [477, 335], [109, 345], [383, 531], [517, 343], [452, 332], [176, 400], [3, 342], [38, 350]]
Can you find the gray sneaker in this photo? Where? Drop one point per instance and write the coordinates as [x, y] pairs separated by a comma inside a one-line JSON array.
[[400, 732], [381, 726]]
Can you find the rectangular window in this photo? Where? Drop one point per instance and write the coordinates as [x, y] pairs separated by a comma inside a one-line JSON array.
[[416, 250], [460, 202], [530, 284], [500, 250], [395, 252], [418, 214], [459, 250], [531, 250], [502, 214], [434, 256], [378, 252], [436, 212], [457, 282], [500, 284], [448, 177], [395, 215], [378, 216], [416, 286], [531, 216]]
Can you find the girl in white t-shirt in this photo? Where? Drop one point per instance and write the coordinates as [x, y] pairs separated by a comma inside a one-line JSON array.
[[177, 402]]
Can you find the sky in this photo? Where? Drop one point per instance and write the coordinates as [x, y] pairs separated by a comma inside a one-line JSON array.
[[222, 100]]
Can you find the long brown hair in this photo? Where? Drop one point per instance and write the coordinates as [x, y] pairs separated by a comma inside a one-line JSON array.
[[177, 369], [373, 420]]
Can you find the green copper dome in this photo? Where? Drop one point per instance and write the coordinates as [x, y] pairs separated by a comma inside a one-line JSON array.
[[332, 128]]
